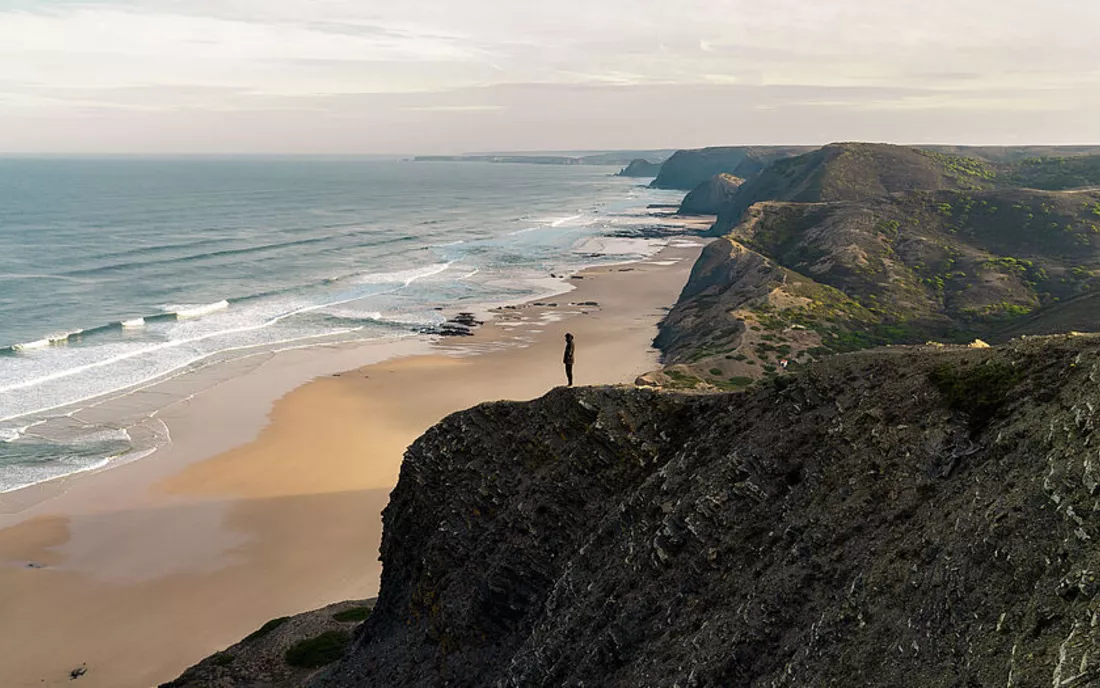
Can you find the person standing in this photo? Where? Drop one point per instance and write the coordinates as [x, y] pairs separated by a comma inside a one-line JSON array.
[[568, 358]]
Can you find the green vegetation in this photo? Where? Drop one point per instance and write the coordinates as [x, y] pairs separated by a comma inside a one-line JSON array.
[[319, 651], [966, 172], [267, 628], [1057, 173], [222, 659], [1025, 269], [740, 381], [889, 228], [352, 614], [681, 380], [978, 391]]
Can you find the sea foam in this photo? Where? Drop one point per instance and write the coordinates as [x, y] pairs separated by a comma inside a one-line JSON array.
[[193, 311]]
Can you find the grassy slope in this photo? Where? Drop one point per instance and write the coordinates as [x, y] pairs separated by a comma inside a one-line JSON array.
[[862, 245]]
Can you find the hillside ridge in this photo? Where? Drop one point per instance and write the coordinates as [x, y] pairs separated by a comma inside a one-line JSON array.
[[909, 517]]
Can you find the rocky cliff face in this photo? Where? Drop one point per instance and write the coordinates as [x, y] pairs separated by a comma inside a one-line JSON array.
[[908, 517], [641, 168], [710, 197], [687, 169]]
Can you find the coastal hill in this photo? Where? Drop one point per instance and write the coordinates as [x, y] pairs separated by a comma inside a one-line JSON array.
[[860, 245], [853, 171], [907, 517], [687, 169], [640, 167]]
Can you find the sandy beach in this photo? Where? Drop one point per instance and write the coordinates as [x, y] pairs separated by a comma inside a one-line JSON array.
[[259, 510]]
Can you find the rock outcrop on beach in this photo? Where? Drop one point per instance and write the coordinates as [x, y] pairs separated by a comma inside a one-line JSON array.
[[908, 517], [640, 168], [710, 197]]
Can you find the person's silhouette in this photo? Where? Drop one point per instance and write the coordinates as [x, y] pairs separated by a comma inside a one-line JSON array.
[[568, 358]]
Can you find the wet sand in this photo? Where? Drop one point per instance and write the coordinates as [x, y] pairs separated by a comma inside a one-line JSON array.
[[140, 571]]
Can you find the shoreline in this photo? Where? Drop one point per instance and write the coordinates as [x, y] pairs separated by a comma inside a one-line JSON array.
[[141, 408], [248, 499]]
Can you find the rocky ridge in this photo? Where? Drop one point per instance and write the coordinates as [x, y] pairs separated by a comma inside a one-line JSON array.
[[640, 168], [906, 517], [687, 169], [710, 197]]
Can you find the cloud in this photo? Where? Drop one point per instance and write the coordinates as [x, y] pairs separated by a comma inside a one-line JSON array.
[[263, 56], [453, 108]]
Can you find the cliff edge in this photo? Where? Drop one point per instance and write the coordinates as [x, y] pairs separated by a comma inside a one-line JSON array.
[[917, 516]]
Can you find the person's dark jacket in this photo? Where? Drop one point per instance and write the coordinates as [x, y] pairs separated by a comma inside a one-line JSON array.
[[568, 359]]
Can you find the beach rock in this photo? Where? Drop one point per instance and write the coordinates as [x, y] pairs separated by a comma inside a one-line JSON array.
[[461, 325], [868, 521], [466, 319]]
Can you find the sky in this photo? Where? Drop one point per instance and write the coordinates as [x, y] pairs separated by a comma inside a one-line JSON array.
[[453, 76]]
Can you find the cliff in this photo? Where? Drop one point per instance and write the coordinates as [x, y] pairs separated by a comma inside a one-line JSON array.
[[909, 517], [711, 196], [640, 168], [687, 169]]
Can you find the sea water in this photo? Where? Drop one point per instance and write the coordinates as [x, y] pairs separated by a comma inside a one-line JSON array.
[[119, 273]]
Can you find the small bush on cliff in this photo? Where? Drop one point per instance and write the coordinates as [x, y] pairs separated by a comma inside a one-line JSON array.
[[352, 614], [319, 651], [267, 628], [978, 391], [223, 659]]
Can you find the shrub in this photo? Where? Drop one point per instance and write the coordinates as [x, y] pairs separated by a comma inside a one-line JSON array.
[[978, 391], [267, 628], [352, 614], [319, 651], [222, 659]]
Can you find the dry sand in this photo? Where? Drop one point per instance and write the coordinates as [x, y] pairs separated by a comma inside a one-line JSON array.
[[140, 571]]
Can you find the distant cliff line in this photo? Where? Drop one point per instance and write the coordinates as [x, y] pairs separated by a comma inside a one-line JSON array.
[[602, 159]]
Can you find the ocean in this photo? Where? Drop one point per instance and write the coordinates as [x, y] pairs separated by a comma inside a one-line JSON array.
[[116, 274]]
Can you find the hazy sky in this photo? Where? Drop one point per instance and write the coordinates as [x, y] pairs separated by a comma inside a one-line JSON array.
[[409, 76]]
